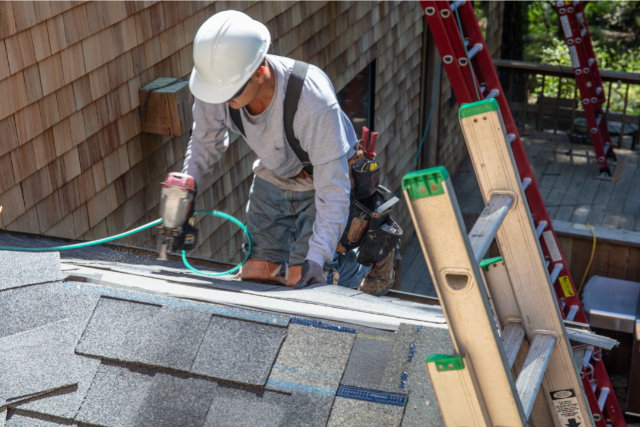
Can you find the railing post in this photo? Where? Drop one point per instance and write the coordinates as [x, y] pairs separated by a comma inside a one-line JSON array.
[[624, 116], [555, 123]]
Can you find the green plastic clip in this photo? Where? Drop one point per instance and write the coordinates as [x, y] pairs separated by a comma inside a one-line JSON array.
[[479, 107], [446, 363], [485, 263], [425, 183]]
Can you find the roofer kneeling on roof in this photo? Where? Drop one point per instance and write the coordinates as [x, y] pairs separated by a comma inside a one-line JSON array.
[[296, 212]]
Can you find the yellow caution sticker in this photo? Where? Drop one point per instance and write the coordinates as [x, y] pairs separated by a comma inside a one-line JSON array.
[[566, 286]]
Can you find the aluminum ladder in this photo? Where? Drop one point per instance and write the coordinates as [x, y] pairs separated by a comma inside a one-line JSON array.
[[477, 387], [587, 75], [468, 65]]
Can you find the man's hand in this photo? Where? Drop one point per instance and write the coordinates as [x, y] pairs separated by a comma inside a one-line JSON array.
[[312, 274]]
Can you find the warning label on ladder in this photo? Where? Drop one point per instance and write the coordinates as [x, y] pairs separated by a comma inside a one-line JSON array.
[[554, 252], [566, 286], [567, 408]]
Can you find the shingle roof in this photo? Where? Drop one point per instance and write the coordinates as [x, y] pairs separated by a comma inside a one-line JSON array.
[[103, 342]]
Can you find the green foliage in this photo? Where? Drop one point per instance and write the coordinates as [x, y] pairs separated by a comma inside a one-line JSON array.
[[615, 31]]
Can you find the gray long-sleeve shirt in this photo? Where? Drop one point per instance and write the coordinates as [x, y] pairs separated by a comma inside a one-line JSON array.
[[324, 132]]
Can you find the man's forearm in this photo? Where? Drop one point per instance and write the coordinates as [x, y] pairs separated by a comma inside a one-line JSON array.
[[332, 185]]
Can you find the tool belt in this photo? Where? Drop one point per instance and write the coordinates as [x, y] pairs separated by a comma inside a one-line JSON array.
[[375, 233]]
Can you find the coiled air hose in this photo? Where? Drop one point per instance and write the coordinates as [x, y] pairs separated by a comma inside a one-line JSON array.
[[144, 227]]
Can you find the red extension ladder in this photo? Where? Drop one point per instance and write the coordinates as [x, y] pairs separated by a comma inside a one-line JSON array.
[[473, 78], [587, 74]]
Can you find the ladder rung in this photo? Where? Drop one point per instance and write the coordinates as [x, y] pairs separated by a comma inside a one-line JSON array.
[[598, 90], [494, 93], [486, 227], [512, 137], [591, 62], [573, 310], [526, 183], [557, 268], [540, 228], [583, 32], [604, 393], [457, 4], [607, 145], [475, 49], [599, 119], [483, 89], [533, 370], [512, 337], [547, 262]]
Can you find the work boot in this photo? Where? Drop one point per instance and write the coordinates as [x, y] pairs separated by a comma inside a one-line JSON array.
[[260, 271], [380, 278], [295, 273]]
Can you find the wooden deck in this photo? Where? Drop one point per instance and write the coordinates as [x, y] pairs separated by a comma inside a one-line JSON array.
[[565, 174]]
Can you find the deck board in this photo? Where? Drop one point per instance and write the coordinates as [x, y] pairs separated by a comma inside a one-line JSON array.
[[570, 190]]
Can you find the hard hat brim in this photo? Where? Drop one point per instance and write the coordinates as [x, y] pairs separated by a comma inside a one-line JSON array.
[[211, 93]]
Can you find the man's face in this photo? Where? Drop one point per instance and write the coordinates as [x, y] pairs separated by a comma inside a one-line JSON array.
[[250, 90]]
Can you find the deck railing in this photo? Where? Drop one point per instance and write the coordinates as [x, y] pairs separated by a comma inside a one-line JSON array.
[[552, 99]]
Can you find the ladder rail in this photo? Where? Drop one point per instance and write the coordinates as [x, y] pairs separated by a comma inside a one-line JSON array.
[[459, 285], [485, 72]]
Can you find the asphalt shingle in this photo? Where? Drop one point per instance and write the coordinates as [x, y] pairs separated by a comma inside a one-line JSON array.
[[238, 350], [312, 358], [64, 403], [236, 405], [29, 307], [37, 361], [143, 333], [134, 396], [19, 418], [24, 268], [368, 360], [360, 413]]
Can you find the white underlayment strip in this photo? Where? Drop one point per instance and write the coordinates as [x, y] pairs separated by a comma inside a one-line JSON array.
[[157, 286]]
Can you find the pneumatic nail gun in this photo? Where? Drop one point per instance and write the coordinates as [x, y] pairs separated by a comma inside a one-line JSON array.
[[177, 229]]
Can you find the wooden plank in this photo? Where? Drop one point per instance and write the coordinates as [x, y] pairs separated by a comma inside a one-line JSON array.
[[44, 148], [28, 123], [586, 199], [51, 74], [71, 164], [72, 63], [600, 203], [40, 37], [66, 101], [99, 82], [618, 262], [12, 204], [555, 196], [75, 24], [49, 211], [633, 272], [49, 110], [9, 139], [7, 21], [631, 205], [604, 235], [20, 51], [4, 62], [36, 187], [583, 176], [57, 37], [32, 83], [7, 178], [82, 92], [24, 13], [622, 191]]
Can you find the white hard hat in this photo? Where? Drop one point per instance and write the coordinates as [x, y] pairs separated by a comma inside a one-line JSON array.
[[228, 48]]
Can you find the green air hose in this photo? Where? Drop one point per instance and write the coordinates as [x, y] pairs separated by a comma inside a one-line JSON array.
[[144, 227]]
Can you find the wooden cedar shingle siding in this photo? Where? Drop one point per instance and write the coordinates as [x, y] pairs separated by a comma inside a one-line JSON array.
[[73, 160]]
